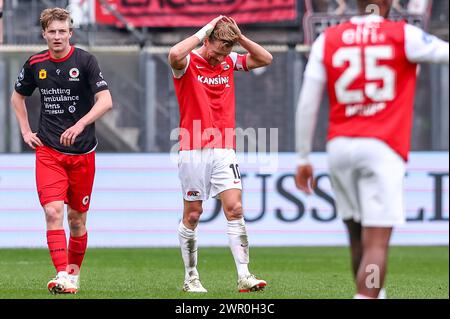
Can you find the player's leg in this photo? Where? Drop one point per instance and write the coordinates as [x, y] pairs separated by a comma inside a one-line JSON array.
[[380, 187], [238, 240], [81, 175], [57, 245], [226, 184], [195, 180], [52, 185], [372, 271], [237, 233], [356, 249], [187, 237], [77, 246], [344, 181]]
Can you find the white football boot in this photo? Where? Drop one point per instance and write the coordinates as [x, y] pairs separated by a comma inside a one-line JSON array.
[[193, 284], [61, 284], [250, 283]]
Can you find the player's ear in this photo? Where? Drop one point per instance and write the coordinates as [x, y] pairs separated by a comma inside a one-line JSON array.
[[43, 34]]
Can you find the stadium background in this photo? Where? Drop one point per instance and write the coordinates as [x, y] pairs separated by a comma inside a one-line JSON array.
[[137, 200]]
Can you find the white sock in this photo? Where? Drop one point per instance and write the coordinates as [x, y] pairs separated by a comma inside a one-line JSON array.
[[62, 274], [188, 245], [238, 240]]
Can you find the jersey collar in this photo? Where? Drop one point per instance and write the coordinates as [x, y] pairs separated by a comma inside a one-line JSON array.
[[205, 61], [72, 48]]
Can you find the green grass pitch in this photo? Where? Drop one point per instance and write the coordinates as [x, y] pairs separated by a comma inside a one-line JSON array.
[[291, 273]]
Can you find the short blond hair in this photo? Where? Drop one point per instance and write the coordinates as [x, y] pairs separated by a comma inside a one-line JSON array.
[[224, 32], [55, 14]]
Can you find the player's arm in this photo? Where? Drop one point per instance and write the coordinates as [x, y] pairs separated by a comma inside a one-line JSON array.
[[24, 86], [20, 109], [179, 52], [257, 56], [306, 116], [423, 47], [103, 103]]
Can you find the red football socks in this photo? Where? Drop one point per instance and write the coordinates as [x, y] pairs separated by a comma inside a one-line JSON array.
[[77, 249], [57, 245]]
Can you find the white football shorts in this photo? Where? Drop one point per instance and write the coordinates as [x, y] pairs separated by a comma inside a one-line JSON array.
[[208, 172], [367, 177]]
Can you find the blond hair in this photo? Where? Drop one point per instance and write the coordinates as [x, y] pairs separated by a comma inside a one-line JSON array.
[[225, 33], [54, 14]]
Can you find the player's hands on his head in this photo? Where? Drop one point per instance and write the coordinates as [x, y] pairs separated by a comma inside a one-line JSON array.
[[69, 136], [32, 140], [234, 26], [304, 178], [214, 21]]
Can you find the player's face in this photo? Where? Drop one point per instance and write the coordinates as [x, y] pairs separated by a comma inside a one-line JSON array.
[[216, 52], [57, 35]]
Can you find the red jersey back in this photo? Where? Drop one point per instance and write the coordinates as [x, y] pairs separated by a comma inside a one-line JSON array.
[[206, 100], [371, 83]]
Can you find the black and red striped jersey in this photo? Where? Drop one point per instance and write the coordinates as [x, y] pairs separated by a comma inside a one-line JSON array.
[[67, 87]]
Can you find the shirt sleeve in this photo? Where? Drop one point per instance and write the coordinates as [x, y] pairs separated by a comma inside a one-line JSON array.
[[95, 77], [25, 83], [306, 116], [179, 73], [315, 69], [239, 61], [314, 80], [423, 47]]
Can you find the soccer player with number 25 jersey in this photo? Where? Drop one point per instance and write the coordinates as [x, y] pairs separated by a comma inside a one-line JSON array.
[[73, 96], [369, 66]]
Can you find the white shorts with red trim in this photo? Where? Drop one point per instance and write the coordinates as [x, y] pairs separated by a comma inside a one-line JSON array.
[[208, 172]]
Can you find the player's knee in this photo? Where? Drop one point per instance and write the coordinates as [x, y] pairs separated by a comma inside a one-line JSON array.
[[194, 216], [234, 211], [53, 214], [76, 224]]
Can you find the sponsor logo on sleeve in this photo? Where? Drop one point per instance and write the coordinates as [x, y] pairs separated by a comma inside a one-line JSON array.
[[101, 83], [20, 78], [21, 75]]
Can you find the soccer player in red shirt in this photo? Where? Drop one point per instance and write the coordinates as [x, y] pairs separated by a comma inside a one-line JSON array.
[[369, 66], [205, 87], [73, 96]]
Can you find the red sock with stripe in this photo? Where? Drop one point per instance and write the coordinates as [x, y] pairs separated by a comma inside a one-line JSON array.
[[57, 245], [77, 249]]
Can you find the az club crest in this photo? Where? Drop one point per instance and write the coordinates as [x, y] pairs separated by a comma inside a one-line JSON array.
[[193, 194]]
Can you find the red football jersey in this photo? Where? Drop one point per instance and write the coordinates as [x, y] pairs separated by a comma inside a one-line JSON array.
[[206, 100], [371, 83]]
